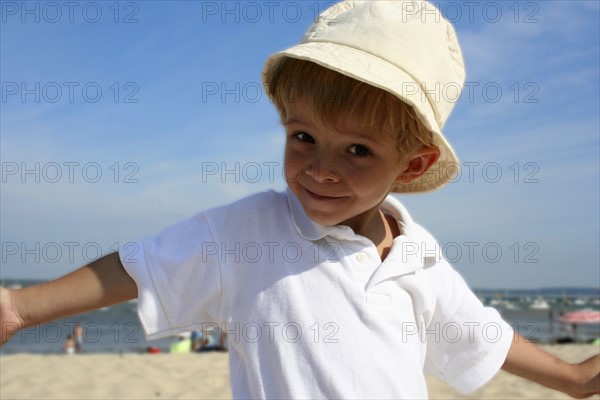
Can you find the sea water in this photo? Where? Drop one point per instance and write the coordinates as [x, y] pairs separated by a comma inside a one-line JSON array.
[[118, 329]]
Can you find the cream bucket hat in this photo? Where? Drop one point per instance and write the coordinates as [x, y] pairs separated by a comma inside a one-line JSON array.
[[404, 47]]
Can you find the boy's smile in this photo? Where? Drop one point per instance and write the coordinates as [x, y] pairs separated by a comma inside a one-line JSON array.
[[340, 176]]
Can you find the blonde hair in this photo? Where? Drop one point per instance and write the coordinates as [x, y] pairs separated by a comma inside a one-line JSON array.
[[332, 98]]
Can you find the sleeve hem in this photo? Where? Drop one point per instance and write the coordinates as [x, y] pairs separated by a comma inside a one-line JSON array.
[[487, 367], [150, 310]]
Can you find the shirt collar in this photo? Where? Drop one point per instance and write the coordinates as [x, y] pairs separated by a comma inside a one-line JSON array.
[[415, 242], [307, 228], [415, 249], [311, 230], [396, 210]]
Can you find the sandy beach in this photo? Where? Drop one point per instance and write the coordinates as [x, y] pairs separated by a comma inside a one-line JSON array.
[[195, 376]]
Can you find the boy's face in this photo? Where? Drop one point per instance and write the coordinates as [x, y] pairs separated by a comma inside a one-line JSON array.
[[339, 177]]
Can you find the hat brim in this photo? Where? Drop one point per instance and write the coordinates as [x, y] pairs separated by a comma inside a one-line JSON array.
[[374, 71]]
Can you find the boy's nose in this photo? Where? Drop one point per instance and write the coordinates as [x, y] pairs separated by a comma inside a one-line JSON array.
[[323, 172]]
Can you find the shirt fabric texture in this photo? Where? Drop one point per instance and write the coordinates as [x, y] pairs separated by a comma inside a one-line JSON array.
[[310, 310]]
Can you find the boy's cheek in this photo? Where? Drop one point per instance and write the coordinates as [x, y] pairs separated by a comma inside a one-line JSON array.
[[293, 165], [292, 172]]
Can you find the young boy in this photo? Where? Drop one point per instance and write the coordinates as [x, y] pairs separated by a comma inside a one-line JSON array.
[[328, 290]]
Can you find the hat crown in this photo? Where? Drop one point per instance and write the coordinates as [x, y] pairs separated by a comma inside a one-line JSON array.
[[411, 35]]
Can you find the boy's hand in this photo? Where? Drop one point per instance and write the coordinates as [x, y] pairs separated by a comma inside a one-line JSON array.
[[10, 320], [588, 373]]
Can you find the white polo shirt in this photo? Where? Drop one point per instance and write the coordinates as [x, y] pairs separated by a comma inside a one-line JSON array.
[[310, 310]]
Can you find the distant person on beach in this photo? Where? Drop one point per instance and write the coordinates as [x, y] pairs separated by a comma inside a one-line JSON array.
[[78, 338], [70, 345], [333, 259], [213, 340], [197, 340]]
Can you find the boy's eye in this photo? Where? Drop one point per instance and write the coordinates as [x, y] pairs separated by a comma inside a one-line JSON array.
[[360, 151], [304, 137]]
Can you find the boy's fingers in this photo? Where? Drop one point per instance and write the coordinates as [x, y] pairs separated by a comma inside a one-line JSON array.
[[7, 331], [9, 321]]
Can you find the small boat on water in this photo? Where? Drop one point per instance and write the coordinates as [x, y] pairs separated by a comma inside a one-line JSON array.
[[505, 304], [539, 304], [579, 302], [509, 305]]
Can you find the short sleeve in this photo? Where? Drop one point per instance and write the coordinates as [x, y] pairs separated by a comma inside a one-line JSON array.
[[467, 342], [179, 288]]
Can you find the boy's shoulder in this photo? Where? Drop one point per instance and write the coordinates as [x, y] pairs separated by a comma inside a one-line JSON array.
[[244, 219]]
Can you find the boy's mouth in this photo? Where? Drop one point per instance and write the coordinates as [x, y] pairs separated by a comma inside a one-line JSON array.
[[320, 197]]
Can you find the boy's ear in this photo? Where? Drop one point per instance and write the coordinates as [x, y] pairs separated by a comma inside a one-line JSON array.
[[417, 163]]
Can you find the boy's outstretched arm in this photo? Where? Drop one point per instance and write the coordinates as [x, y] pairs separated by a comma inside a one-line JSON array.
[[530, 362], [101, 283]]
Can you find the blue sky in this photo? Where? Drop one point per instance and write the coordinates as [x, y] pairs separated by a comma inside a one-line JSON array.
[[119, 119]]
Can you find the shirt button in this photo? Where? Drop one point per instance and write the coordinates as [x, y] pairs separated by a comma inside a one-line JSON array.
[[361, 257]]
